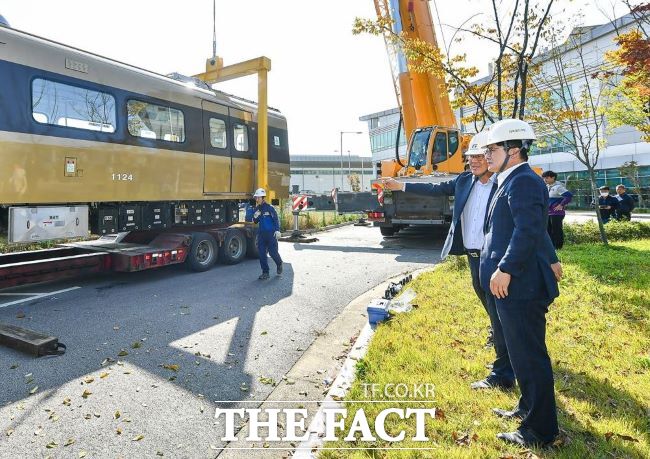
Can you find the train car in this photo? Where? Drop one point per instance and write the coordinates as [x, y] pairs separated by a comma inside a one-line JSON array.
[[87, 139]]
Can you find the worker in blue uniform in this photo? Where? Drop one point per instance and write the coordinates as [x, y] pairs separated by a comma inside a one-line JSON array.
[[268, 233]]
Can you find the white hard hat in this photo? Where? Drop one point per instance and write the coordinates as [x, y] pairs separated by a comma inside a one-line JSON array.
[[510, 129], [477, 144], [260, 192]]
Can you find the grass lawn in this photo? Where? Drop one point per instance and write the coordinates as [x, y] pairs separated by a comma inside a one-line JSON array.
[[599, 341]]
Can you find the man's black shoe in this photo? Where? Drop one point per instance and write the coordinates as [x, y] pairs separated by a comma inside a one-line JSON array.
[[263, 276], [510, 414], [490, 383], [279, 271], [523, 437]]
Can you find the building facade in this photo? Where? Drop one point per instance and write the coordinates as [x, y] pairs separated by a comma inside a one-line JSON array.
[[319, 174], [382, 128], [619, 145]]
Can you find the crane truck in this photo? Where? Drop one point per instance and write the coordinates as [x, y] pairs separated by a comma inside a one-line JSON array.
[[435, 145]]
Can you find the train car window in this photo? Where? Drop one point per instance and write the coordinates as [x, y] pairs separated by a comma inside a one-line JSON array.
[[240, 134], [156, 122], [218, 133], [71, 106]]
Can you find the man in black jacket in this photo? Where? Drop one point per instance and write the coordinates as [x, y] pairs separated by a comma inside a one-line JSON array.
[[607, 204], [625, 204]]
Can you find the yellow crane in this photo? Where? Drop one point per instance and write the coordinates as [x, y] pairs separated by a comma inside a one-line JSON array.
[[435, 142]]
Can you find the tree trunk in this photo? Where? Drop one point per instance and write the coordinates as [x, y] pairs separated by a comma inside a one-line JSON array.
[[601, 226]]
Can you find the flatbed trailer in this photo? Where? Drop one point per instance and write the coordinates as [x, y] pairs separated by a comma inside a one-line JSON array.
[[135, 251]]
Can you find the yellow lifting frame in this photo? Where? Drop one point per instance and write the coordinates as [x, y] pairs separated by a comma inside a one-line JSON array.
[[215, 72]]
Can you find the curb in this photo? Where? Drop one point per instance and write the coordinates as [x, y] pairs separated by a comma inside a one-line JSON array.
[[327, 356], [319, 230]]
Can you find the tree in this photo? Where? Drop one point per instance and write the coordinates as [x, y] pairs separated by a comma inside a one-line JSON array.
[[630, 169], [355, 183], [517, 36], [567, 103], [629, 92]]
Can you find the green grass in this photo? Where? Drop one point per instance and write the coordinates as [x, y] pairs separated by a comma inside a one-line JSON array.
[[313, 219], [598, 338]]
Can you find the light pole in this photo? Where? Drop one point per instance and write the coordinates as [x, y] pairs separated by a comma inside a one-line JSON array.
[[346, 132]]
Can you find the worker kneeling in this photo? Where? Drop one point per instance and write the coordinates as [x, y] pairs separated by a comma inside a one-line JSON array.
[[268, 233]]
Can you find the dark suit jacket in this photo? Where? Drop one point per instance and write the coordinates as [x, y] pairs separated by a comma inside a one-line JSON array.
[[460, 187], [516, 239]]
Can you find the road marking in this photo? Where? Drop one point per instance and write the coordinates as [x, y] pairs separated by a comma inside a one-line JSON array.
[[37, 296], [18, 294]]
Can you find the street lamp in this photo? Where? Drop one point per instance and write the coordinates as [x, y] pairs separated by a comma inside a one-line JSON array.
[[346, 132]]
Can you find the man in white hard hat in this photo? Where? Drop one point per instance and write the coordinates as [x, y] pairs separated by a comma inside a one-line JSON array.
[[515, 271], [268, 233]]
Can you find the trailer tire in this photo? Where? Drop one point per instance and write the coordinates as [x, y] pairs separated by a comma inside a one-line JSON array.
[[251, 245], [387, 230], [203, 252], [233, 249]]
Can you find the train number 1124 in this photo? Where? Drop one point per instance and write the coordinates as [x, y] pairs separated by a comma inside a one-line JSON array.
[[123, 177]]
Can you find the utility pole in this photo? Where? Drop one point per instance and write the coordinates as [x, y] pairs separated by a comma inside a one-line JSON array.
[[346, 132]]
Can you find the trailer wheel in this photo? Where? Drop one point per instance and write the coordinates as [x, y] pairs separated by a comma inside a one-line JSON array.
[[251, 246], [387, 230], [233, 249], [203, 252]]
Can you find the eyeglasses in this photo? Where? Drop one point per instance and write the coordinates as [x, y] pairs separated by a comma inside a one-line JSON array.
[[491, 151]]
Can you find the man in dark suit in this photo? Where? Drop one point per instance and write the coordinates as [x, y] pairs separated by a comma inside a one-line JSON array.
[[515, 271], [472, 190]]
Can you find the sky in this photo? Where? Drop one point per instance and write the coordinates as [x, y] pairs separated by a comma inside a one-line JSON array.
[[323, 78]]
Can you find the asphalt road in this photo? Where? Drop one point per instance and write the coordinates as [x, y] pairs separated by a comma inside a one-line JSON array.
[[186, 339]]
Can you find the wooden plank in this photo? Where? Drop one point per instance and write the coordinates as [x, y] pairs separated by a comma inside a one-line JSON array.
[[29, 341]]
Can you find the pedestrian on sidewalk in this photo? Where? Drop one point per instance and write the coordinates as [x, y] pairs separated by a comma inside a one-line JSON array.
[[625, 204], [558, 198], [268, 233]]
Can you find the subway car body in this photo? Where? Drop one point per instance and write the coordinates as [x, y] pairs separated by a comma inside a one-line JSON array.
[[133, 150]]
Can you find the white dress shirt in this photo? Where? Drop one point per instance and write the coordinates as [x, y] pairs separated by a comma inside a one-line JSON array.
[[473, 215], [501, 177]]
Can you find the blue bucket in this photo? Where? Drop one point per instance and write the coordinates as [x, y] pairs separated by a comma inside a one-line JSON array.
[[378, 311]]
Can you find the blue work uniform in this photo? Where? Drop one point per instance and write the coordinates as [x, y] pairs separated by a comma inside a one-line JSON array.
[[606, 201], [268, 224]]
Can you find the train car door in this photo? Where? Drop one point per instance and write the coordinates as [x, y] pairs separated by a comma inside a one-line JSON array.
[[217, 162], [242, 151]]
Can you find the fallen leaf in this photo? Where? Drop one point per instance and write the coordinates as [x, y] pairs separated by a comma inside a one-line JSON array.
[[264, 333], [88, 416], [69, 441], [51, 445], [67, 401], [13, 367], [89, 379], [103, 375], [122, 353], [9, 432], [97, 415], [118, 431], [159, 453], [20, 315], [243, 387], [136, 345], [138, 438], [171, 367], [86, 393], [82, 454], [268, 381], [33, 390], [171, 378], [117, 415], [440, 414]]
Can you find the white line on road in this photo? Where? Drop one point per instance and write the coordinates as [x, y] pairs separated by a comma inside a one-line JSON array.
[[37, 296]]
